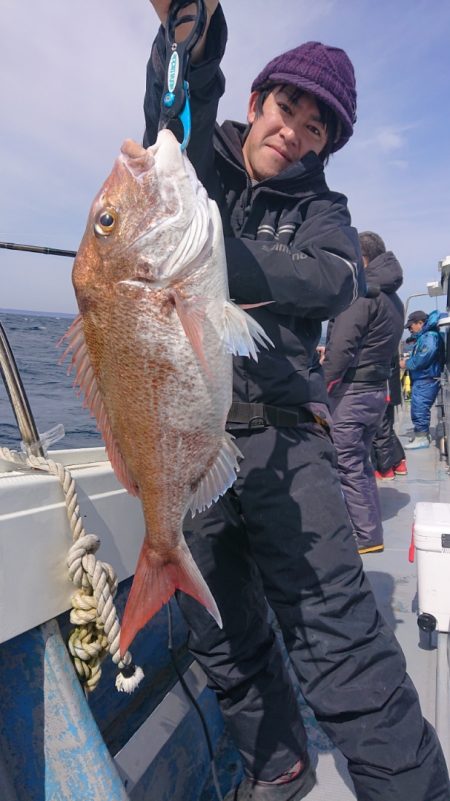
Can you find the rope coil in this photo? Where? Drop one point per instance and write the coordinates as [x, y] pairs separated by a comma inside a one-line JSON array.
[[97, 628]]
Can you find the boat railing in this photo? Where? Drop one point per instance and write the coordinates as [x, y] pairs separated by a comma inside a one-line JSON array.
[[31, 439], [18, 398]]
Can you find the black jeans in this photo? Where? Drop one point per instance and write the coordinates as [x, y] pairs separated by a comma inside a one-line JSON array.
[[282, 536]]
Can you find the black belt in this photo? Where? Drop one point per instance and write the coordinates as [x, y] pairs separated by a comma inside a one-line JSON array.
[[367, 373], [260, 415]]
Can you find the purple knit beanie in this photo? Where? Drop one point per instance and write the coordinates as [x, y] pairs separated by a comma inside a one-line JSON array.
[[323, 71]]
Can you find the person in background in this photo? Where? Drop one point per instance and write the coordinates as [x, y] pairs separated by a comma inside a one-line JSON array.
[[425, 366], [281, 535], [320, 353], [361, 344], [405, 381], [388, 456]]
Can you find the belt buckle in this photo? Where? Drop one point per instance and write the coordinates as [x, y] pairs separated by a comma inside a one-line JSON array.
[[256, 423]]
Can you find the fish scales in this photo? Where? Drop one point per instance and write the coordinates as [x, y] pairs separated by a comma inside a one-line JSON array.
[[157, 332]]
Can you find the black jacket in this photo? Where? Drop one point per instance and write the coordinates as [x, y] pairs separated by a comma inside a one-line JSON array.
[[288, 239], [363, 340]]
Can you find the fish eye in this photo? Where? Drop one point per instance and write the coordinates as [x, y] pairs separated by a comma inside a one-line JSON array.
[[105, 222]]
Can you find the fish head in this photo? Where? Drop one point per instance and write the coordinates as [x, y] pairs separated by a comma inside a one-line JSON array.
[[148, 223]]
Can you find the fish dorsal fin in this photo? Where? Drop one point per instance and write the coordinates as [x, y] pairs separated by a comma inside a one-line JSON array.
[[219, 477], [242, 333], [85, 379]]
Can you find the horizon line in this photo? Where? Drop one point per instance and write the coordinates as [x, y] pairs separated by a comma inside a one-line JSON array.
[[37, 311]]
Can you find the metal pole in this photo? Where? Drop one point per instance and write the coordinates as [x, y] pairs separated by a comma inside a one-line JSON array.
[[18, 398], [8, 368], [416, 295]]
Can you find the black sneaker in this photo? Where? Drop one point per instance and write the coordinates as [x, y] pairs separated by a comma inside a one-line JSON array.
[[295, 790]]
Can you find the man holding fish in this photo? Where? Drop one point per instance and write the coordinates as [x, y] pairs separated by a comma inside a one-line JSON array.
[[152, 352], [281, 535]]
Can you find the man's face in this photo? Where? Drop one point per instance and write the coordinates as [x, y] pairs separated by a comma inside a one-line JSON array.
[[282, 134], [414, 328]]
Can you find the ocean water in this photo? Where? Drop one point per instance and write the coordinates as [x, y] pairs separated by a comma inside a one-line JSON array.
[[33, 340]]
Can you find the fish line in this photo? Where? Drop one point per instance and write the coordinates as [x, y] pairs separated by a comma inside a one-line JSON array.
[[193, 702]]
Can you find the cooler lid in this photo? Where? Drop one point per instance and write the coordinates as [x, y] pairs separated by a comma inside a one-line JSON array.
[[432, 526]]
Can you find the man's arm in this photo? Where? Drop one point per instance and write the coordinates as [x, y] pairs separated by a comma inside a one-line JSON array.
[[318, 276], [206, 84]]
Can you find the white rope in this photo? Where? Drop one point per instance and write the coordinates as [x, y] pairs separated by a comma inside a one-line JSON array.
[[94, 614]]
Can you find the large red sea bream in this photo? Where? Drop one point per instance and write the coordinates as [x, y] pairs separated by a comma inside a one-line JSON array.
[[151, 350]]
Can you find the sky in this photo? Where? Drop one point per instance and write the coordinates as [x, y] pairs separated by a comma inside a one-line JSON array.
[[71, 90]]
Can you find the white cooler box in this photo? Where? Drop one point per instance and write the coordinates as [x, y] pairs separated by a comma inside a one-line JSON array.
[[432, 542]]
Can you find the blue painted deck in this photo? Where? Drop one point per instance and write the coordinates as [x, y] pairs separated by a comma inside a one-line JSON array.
[[55, 744], [50, 747]]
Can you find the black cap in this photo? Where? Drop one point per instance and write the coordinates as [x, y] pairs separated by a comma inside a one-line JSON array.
[[416, 317]]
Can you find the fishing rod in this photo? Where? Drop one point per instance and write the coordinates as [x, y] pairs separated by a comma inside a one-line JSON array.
[[38, 249]]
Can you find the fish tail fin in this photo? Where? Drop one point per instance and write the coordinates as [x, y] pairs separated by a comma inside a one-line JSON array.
[[155, 581]]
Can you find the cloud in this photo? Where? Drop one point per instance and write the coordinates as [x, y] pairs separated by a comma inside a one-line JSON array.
[[388, 140]]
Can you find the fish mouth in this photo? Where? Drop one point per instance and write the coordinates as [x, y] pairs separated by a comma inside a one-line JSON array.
[[142, 282]]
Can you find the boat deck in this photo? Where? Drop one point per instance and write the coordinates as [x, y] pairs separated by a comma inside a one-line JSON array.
[[394, 582]]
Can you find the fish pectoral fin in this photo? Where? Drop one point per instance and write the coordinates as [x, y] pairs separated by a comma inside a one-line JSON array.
[[191, 312], [255, 305], [242, 333], [155, 581], [219, 477], [86, 381]]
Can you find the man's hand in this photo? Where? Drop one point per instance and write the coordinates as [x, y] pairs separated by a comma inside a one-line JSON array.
[[321, 353], [162, 9]]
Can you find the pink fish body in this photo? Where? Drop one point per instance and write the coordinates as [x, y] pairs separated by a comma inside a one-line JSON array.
[[152, 353]]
